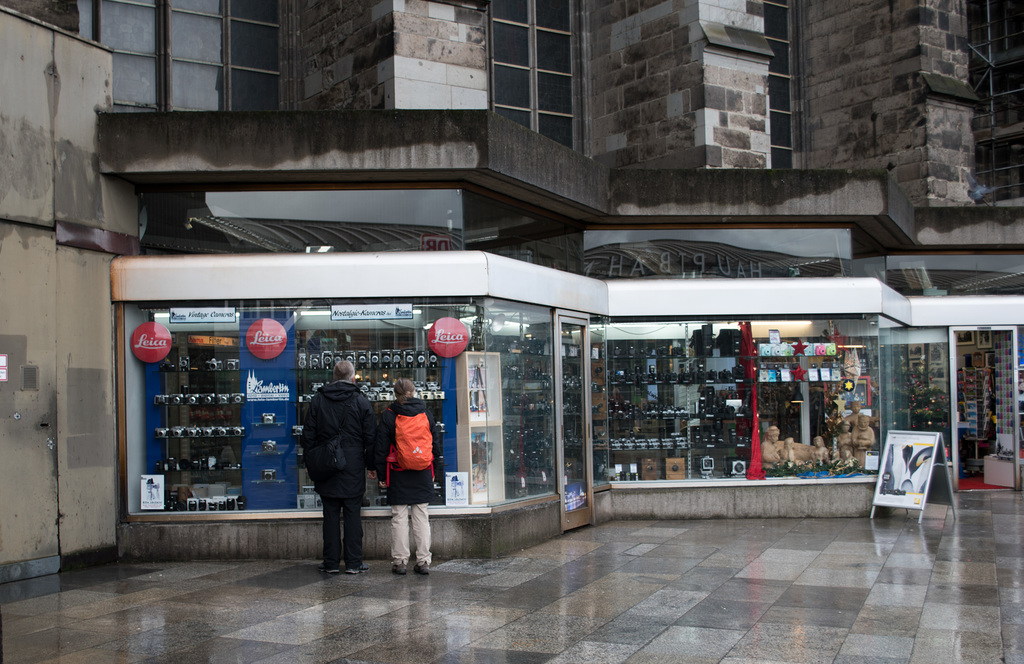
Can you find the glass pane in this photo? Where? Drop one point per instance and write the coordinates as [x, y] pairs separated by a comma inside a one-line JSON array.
[[512, 87], [603, 469], [134, 78], [129, 28], [554, 52], [253, 46], [782, 158], [779, 64], [574, 442], [553, 14], [256, 10], [206, 6], [554, 93], [776, 22], [778, 93], [195, 37], [196, 87], [522, 117], [556, 128], [85, 18], [511, 44], [511, 10], [782, 130], [253, 91]]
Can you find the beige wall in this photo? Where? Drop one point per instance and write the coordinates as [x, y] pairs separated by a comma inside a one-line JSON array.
[[57, 415]]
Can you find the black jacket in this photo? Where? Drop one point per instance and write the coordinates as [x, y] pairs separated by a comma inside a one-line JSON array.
[[339, 406], [407, 487]]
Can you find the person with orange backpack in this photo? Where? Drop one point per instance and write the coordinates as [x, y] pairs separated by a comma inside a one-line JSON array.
[[407, 444]]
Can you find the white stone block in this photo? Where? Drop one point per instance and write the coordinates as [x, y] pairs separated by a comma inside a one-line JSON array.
[[760, 142], [466, 77], [421, 95], [420, 70], [439, 11], [465, 99]]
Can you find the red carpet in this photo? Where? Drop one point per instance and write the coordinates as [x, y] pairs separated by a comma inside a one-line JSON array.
[[977, 484]]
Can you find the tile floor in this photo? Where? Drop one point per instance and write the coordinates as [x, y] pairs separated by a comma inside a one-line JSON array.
[[639, 592]]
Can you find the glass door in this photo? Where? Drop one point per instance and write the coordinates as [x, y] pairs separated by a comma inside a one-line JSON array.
[[573, 405]]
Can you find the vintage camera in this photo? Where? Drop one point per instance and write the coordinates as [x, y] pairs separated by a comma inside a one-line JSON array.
[[211, 504], [268, 418], [707, 466], [410, 359], [397, 359], [184, 464], [421, 359], [268, 475], [191, 399], [207, 398], [737, 467], [350, 357], [192, 432], [304, 398], [219, 431], [161, 432], [193, 504], [297, 430], [213, 364], [175, 398], [206, 432], [374, 360], [314, 362], [327, 359], [362, 359], [236, 431], [385, 359], [432, 360], [241, 501], [177, 432], [223, 398], [201, 504], [170, 463], [184, 363], [231, 364], [160, 399], [238, 397], [230, 503], [302, 359], [268, 447]]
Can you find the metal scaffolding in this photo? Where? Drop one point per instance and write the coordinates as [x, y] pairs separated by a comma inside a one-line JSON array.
[[997, 76]]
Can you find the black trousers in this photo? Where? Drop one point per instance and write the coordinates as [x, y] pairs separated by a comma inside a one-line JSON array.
[[334, 510]]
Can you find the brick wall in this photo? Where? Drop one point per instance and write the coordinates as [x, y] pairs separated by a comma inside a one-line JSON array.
[[662, 98], [866, 104], [406, 54]]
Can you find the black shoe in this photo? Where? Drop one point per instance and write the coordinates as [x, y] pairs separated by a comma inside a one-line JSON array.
[[363, 567], [398, 568], [421, 568], [326, 569]]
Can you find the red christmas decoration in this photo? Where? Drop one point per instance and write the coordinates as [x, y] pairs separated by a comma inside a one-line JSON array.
[[799, 348], [799, 373]]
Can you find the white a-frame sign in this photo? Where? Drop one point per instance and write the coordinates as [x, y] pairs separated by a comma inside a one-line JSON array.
[[914, 472]]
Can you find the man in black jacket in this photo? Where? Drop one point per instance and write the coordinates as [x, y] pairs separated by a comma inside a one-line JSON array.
[[340, 407]]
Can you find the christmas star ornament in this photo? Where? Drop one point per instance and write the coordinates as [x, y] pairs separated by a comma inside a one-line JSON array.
[[799, 348], [848, 385], [799, 374]]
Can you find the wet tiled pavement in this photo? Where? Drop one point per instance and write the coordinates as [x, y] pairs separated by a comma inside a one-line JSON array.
[[642, 592]]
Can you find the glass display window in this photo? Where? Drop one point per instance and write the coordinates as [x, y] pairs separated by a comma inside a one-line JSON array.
[[729, 399], [217, 397]]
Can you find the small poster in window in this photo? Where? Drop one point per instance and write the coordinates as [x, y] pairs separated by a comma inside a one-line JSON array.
[[152, 492], [477, 392], [456, 489]]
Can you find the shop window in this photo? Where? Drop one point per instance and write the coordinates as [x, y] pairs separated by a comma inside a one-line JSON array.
[[172, 54], [968, 274], [532, 65], [686, 399], [717, 254], [214, 421]]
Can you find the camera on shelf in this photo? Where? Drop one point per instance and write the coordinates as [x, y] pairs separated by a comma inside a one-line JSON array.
[[385, 359], [410, 358], [231, 364], [327, 359], [192, 504], [238, 397], [207, 398], [432, 360], [184, 363], [297, 430], [736, 467], [161, 432], [177, 432], [219, 431], [268, 475], [268, 418], [374, 360], [363, 359], [213, 364], [707, 466], [302, 359], [159, 399], [223, 398], [190, 399], [314, 362], [191, 432], [236, 431], [268, 447], [304, 398], [184, 464], [350, 357], [175, 398], [206, 431]]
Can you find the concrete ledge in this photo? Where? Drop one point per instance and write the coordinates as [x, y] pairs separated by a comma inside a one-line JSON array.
[[747, 500], [482, 536]]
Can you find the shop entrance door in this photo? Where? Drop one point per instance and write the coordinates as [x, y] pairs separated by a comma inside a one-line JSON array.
[[572, 368], [986, 417]]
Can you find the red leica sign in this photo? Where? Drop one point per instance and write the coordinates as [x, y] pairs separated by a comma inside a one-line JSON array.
[[266, 338], [151, 342], [448, 337]]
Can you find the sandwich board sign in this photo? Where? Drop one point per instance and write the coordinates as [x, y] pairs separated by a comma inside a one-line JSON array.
[[914, 471]]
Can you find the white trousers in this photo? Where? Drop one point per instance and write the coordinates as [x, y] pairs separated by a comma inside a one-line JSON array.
[[400, 517]]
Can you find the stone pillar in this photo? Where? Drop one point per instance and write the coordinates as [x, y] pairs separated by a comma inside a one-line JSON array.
[[680, 84], [884, 86], [394, 54]]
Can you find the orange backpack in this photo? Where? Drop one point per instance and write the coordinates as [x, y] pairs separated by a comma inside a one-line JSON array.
[[414, 443]]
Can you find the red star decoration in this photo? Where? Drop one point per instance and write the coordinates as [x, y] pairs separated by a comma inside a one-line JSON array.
[[799, 347], [799, 373]]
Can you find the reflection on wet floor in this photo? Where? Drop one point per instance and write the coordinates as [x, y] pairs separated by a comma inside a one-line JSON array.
[[739, 591]]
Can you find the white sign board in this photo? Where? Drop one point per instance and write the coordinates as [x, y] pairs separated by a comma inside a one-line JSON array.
[[371, 311], [152, 492], [914, 471], [3, 368], [203, 315], [456, 489]]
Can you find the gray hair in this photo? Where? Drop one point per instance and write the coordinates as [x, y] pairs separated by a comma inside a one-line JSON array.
[[344, 370]]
